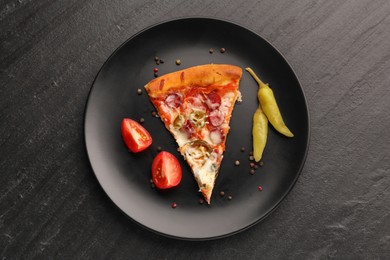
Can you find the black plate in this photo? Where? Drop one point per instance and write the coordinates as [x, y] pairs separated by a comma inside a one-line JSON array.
[[125, 176]]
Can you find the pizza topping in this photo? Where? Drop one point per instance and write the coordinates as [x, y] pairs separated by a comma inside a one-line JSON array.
[[178, 122], [216, 136], [173, 100], [216, 118], [197, 151], [213, 100], [198, 118]]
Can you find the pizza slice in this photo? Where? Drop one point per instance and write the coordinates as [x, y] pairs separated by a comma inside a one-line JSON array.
[[196, 105]]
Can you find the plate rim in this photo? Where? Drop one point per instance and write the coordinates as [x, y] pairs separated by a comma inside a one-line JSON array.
[[287, 191]]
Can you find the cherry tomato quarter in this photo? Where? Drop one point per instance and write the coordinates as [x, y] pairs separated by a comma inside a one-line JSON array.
[[135, 136], [166, 171]]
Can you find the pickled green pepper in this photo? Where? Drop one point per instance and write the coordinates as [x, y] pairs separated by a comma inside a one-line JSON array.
[[259, 133], [270, 107]]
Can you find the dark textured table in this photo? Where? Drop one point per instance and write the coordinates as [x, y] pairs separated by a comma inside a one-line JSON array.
[[51, 205]]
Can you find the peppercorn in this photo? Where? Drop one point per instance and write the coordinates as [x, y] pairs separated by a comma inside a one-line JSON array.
[[178, 62], [139, 91], [222, 50], [237, 163]]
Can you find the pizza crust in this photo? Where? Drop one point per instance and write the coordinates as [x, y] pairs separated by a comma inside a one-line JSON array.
[[218, 75]]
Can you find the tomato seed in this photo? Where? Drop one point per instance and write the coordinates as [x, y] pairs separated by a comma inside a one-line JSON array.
[[252, 171], [174, 205], [155, 70], [259, 188], [252, 164]]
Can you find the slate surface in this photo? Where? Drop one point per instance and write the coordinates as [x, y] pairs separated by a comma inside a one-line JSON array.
[[51, 205]]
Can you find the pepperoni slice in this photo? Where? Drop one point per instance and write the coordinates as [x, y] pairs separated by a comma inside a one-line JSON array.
[[173, 100], [216, 118], [213, 100]]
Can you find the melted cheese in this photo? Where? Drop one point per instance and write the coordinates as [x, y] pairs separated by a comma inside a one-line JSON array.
[[181, 137]]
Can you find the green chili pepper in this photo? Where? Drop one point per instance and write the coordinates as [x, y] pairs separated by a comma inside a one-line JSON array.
[[259, 133], [270, 107]]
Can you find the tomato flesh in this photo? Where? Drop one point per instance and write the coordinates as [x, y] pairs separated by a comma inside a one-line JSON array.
[[136, 137], [166, 171]]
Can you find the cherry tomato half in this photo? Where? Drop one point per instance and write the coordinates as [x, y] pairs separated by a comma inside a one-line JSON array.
[[135, 136], [166, 171]]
